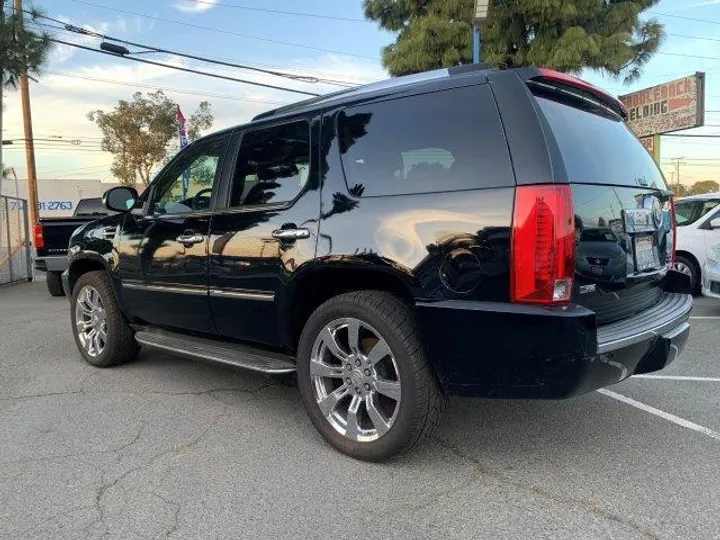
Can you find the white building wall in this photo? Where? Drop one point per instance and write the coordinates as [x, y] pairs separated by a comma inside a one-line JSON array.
[[58, 197]]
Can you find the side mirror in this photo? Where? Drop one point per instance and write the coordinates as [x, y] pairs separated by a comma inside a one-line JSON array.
[[120, 199], [715, 223]]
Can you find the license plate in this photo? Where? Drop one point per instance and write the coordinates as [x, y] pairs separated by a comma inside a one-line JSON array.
[[597, 270], [644, 253]]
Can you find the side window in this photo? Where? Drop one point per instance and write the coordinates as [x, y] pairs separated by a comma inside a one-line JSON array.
[[273, 165], [444, 141], [187, 185]]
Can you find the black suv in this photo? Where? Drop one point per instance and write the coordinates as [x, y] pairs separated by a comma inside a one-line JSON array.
[[465, 231]]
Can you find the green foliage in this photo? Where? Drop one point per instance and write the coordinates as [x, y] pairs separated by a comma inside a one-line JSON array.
[[704, 186], [566, 35], [138, 133], [20, 49]]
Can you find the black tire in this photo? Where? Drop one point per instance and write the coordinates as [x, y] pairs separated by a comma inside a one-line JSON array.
[[420, 409], [54, 284], [120, 345], [694, 272]]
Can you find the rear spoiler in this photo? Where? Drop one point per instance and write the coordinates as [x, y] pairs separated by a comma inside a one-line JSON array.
[[573, 85]]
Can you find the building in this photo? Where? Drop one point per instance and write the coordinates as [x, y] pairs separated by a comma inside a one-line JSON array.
[[58, 197]]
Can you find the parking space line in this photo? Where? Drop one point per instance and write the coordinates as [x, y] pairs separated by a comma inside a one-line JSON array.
[[678, 378], [705, 318], [662, 414]]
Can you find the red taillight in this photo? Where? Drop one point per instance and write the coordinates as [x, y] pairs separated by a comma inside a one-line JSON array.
[[543, 245], [673, 224], [38, 236]]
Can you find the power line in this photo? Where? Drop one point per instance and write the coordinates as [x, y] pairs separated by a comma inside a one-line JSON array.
[[689, 55], [277, 12], [221, 31], [151, 48], [701, 38], [188, 70], [167, 88], [674, 17], [691, 136]]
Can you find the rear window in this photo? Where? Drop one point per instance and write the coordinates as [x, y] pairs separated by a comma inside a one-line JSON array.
[[598, 148], [443, 141]]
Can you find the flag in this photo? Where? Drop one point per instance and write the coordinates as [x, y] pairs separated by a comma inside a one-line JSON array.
[[182, 135]]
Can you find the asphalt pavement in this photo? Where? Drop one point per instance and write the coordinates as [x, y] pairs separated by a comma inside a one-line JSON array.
[[169, 448]]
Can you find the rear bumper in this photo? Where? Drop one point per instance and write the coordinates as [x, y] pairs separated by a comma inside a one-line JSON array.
[[53, 263], [506, 350]]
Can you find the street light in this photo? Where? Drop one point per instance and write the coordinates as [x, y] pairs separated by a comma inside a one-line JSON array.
[[480, 18]]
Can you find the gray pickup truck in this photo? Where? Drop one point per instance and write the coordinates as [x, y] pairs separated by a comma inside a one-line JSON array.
[[52, 235]]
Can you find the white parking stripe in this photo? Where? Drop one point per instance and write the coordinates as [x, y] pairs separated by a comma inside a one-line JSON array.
[[704, 318], [662, 414], [678, 378]]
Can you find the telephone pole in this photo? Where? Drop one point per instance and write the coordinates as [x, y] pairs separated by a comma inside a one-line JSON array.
[[677, 162], [29, 144]]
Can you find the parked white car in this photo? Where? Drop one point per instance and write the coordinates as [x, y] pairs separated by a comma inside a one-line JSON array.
[[711, 273], [698, 220]]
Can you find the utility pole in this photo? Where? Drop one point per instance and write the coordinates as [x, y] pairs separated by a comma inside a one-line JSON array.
[[677, 162], [29, 144]]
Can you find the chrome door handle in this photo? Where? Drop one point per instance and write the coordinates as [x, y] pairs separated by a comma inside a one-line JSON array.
[[291, 234], [190, 239]]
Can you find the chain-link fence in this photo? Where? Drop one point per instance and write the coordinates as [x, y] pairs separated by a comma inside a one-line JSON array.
[[15, 258]]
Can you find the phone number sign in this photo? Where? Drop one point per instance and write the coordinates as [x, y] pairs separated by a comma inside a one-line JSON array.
[[671, 106]]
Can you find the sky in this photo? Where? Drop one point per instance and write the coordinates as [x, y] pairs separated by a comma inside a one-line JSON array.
[[336, 45]]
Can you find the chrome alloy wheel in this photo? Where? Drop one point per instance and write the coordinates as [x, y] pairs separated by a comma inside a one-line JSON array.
[[355, 379], [90, 321]]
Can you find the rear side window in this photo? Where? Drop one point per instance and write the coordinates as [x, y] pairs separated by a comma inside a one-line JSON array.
[[272, 166], [444, 141], [598, 148]]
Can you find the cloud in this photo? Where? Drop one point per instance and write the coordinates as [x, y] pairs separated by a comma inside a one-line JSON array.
[[194, 6]]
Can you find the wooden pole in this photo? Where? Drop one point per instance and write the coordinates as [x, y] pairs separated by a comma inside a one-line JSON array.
[[29, 144]]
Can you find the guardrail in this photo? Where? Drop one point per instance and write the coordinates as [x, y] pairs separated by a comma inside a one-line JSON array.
[[15, 256]]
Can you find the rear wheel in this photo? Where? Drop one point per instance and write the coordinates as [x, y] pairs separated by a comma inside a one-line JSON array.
[[364, 378], [102, 334], [688, 267], [54, 284]]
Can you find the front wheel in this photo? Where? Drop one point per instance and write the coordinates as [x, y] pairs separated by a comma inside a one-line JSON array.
[[364, 378], [102, 334]]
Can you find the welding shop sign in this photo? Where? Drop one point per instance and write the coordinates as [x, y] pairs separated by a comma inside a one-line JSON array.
[[671, 106]]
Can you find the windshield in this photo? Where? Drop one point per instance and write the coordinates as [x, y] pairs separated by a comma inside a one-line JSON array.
[[688, 212]]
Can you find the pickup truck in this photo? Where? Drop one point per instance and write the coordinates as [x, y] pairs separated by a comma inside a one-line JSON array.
[[471, 231], [51, 237]]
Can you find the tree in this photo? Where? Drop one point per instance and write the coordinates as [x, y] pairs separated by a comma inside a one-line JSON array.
[[20, 50], [138, 133], [566, 35], [704, 186]]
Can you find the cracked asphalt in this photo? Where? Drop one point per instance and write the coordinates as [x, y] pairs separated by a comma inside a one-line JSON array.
[[168, 448]]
